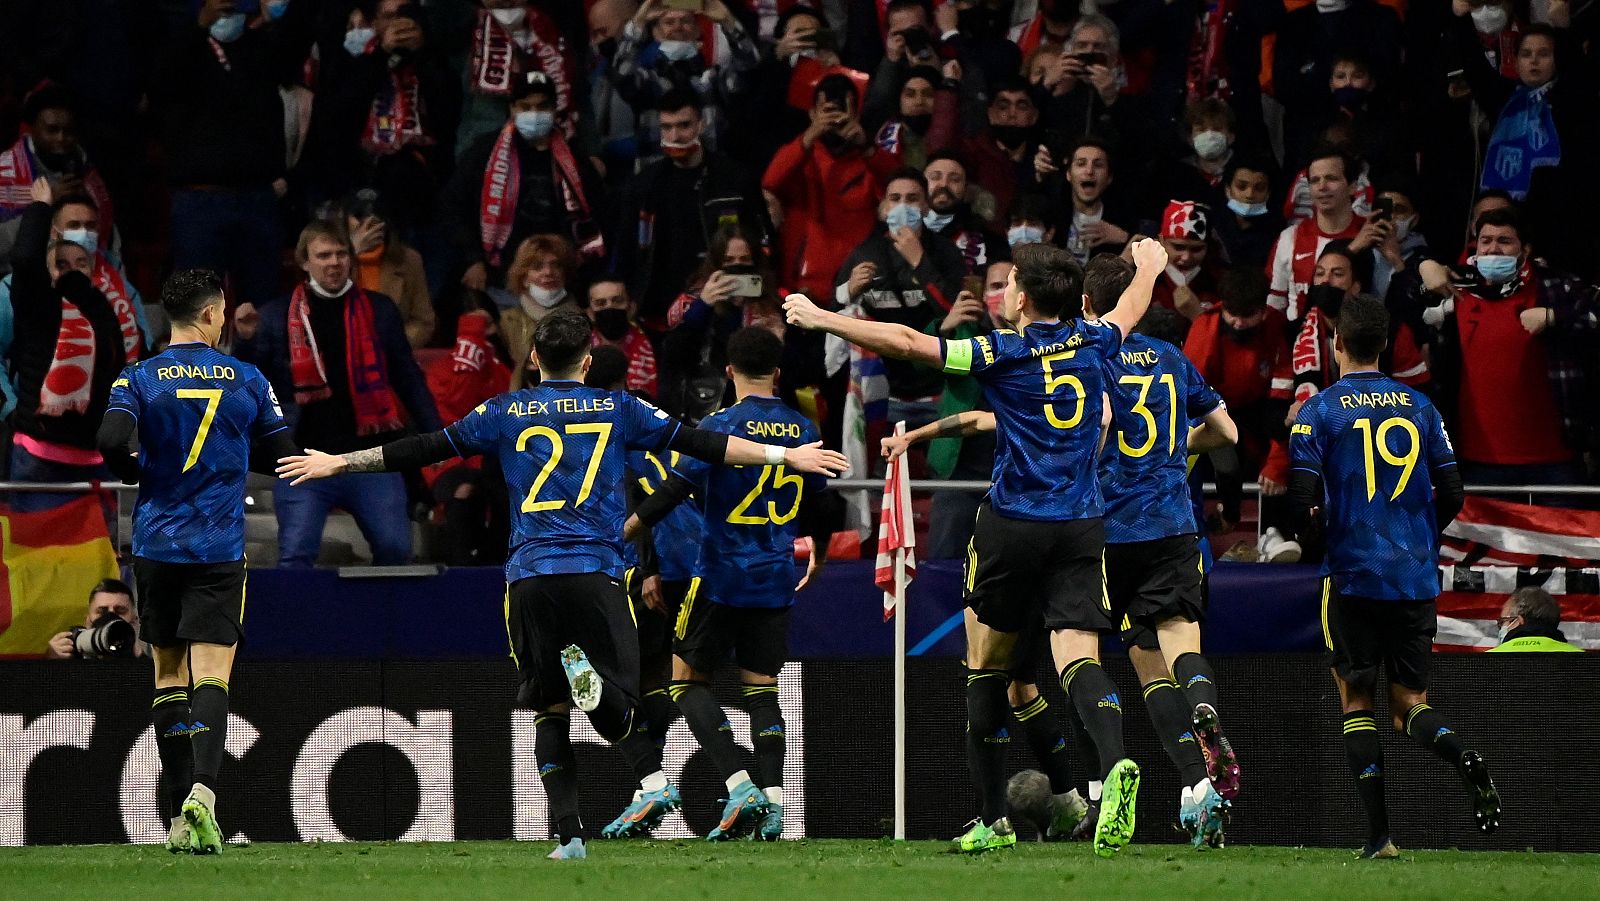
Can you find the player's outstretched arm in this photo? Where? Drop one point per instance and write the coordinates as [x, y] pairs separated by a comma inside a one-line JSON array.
[[411, 452], [112, 439], [961, 425], [882, 338], [716, 447], [1215, 431], [674, 491], [1149, 260]]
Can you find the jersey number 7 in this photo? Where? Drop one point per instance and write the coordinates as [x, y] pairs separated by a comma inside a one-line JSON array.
[[602, 433], [213, 398]]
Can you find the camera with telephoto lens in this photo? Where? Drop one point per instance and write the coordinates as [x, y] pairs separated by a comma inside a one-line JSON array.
[[110, 636]]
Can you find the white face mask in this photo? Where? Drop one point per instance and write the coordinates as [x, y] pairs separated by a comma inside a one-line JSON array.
[[546, 297], [1332, 6], [510, 18], [1402, 227], [83, 237], [937, 221], [1210, 145], [1181, 277], [535, 124], [678, 51], [1490, 19]]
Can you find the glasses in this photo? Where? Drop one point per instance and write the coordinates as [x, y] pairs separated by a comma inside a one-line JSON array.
[[1506, 619]]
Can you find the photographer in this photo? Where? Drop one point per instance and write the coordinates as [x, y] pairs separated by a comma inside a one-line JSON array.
[[108, 598]]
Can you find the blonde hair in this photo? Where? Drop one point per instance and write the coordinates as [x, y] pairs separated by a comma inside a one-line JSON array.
[[315, 229], [529, 252]]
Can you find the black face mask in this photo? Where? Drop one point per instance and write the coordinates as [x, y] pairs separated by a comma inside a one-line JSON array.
[[919, 123], [606, 49], [1239, 335], [1326, 298], [1010, 136], [612, 324], [834, 141]]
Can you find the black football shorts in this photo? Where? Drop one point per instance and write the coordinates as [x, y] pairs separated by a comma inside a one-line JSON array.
[[190, 602]]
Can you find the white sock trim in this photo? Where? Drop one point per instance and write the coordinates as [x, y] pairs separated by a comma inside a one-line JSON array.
[[737, 779], [774, 794], [654, 782], [1095, 786]]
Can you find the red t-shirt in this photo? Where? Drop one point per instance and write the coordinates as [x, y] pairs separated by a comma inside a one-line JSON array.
[[1507, 411], [1239, 371]]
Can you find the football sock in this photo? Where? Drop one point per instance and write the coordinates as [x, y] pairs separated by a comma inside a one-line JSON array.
[[1365, 754], [989, 737], [1429, 729], [169, 715], [709, 724], [614, 717], [558, 771], [656, 709], [1170, 713], [1048, 745], [1195, 677], [643, 757], [1084, 745], [766, 733], [208, 728], [1095, 696]]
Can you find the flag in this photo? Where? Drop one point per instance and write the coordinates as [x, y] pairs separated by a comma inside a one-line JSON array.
[[866, 413], [897, 540], [1495, 547], [49, 560]]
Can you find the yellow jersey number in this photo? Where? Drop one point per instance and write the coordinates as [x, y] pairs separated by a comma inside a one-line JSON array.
[[212, 397], [1142, 410], [602, 433], [1052, 381], [1378, 438], [741, 515]]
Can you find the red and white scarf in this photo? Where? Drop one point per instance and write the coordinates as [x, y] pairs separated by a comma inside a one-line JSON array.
[[502, 184], [370, 395], [108, 281], [497, 60], [68, 385], [1207, 74], [18, 170], [394, 121]]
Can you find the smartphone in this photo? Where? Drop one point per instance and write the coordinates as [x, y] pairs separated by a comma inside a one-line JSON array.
[[1092, 58], [825, 39], [698, 6], [745, 284], [918, 42], [1383, 208], [973, 284]]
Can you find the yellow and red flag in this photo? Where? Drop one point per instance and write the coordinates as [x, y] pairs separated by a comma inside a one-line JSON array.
[[49, 560]]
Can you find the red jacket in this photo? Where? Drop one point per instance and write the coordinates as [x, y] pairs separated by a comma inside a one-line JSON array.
[[830, 204], [635, 345]]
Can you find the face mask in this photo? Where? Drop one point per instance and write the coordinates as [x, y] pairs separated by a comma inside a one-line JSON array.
[[356, 40], [1010, 136], [547, 297], [903, 215], [509, 18], [82, 237], [1332, 6], [1210, 145], [1326, 298], [1181, 277], [1351, 97], [1240, 335], [276, 8], [680, 151], [937, 221], [994, 300], [612, 324], [1490, 19], [227, 29], [1019, 235], [1247, 210], [918, 123], [535, 124], [606, 49], [678, 51], [1402, 227], [1504, 632], [1496, 268]]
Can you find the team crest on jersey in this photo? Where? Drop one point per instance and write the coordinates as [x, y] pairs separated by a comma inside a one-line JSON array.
[[272, 397]]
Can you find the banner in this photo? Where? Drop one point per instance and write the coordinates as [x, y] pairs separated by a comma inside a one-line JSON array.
[[1473, 596], [49, 559]]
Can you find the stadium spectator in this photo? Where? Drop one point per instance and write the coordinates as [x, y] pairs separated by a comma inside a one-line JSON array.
[[49, 148], [1406, 246], [109, 597], [1188, 286], [541, 279], [1084, 99], [905, 132], [829, 182], [1000, 154], [216, 89], [679, 54], [66, 351], [674, 205], [908, 44], [387, 265], [1294, 256], [525, 180], [1248, 228], [469, 494], [950, 216], [1513, 344], [338, 359], [608, 114], [1530, 621], [1031, 221], [1092, 227], [1308, 42], [905, 274], [614, 314], [1209, 133], [510, 39]]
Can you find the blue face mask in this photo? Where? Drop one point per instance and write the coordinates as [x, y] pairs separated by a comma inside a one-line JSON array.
[[903, 215], [276, 8], [1024, 234], [82, 237], [937, 221], [227, 29], [678, 51], [356, 40], [1247, 210], [535, 124], [1496, 268]]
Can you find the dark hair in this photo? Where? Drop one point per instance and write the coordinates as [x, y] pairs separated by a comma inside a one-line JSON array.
[[1497, 193], [836, 88], [1163, 325], [1090, 141], [908, 172], [561, 340], [1360, 263], [1051, 278], [1253, 162], [788, 15], [608, 368], [1014, 84], [1104, 280], [927, 73], [187, 292], [1347, 163], [1356, 57], [48, 95], [896, 6], [680, 98], [70, 199], [604, 278], [1363, 328], [754, 352], [1540, 29], [950, 155], [1032, 205], [717, 255], [110, 586], [1536, 607], [1501, 216], [1243, 290]]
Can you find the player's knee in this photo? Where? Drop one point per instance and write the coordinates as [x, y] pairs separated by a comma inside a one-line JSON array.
[[1020, 693]]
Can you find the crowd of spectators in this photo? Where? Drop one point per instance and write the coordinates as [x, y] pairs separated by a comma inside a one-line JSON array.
[[397, 191]]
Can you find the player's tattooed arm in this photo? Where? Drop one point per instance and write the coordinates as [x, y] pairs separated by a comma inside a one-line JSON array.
[[369, 460], [960, 425]]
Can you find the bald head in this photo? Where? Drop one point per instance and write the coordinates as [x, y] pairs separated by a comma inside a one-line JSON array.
[[607, 17]]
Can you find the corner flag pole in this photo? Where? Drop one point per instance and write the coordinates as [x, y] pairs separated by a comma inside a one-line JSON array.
[[896, 567], [900, 695]]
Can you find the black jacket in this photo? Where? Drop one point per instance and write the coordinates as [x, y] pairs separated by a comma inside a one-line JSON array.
[[915, 298], [36, 308]]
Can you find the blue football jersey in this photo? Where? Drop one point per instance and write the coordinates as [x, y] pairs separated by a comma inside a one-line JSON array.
[[1155, 392], [751, 512], [1044, 386], [1376, 443], [677, 536], [198, 411], [563, 448]]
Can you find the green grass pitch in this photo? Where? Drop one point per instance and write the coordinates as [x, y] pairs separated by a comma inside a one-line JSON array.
[[813, 870]]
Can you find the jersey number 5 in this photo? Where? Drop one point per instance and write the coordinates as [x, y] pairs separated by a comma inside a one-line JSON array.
[[1053, 381], [1379, 438], [740, 517], [602, 433], [212, 397]]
